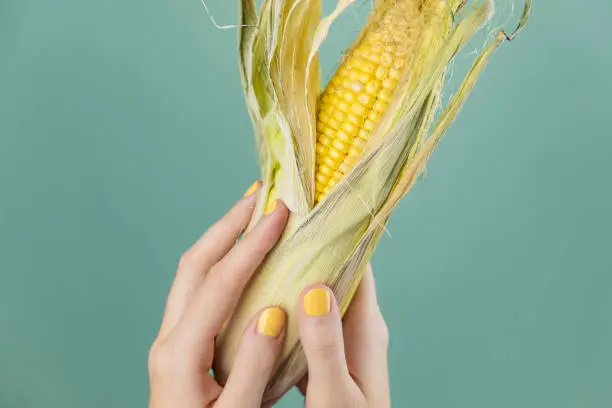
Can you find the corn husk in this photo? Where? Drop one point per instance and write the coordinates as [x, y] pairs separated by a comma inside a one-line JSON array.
[[332, 242]]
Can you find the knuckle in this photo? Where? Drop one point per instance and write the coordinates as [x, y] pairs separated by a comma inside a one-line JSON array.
[[229, 277], [153, 355], [381, 331], [186, 259], [219, 279], [159, 360], [164, 358]]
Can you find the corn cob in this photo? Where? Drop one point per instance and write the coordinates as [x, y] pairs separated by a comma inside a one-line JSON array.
[[360, 91]]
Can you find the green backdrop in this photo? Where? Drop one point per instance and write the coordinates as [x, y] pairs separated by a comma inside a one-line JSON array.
[[123, 136]]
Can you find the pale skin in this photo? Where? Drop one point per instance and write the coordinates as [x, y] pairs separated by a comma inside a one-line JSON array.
[[347, 358]]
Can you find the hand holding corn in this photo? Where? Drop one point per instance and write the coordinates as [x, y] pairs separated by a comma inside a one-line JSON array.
[[208, 284], [210, 278], [347, 361]]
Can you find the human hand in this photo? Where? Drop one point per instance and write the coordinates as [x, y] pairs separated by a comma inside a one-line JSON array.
[[347, 361], [209, 281]]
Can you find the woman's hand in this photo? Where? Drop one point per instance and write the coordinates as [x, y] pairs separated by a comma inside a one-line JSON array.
[[210, 279], [347, 361]]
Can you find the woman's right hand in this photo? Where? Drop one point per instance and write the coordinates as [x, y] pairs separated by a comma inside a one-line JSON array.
[[347, 360], [209, 282]]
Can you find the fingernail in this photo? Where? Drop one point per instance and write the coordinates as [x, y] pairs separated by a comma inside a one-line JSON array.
[[270, 207], [271, 322], [252, 189], [317, 302]]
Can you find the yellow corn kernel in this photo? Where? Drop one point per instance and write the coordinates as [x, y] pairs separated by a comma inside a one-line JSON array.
[[373, 87], [354, 151], [343, 169], [326, 171], [385, 95], [339, 116], [368, 125], [366, 100], [335, 155], [340, 146], [327, 140], [380, 106], [321, 177], [348, 130], [321, 150], [359, 142]]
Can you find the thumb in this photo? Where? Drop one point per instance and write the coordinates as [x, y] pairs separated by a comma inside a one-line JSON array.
[[321, 337]]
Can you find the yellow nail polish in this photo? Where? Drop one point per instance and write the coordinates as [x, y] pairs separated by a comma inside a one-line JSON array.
[[252, 189], [271, 322], [271, 206], [317, 302]]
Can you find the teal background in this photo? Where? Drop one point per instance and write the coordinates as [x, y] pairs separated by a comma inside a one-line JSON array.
[[123, 136]]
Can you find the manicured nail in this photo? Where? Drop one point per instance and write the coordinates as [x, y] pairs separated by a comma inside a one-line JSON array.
[[271, 322], [317, 302], [252, 189], [270, 207]]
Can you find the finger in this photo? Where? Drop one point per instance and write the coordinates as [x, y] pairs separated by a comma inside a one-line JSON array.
[[256, 359], [223, 285], [321, 337], [365, 301], [367, 349], [215, 243]]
